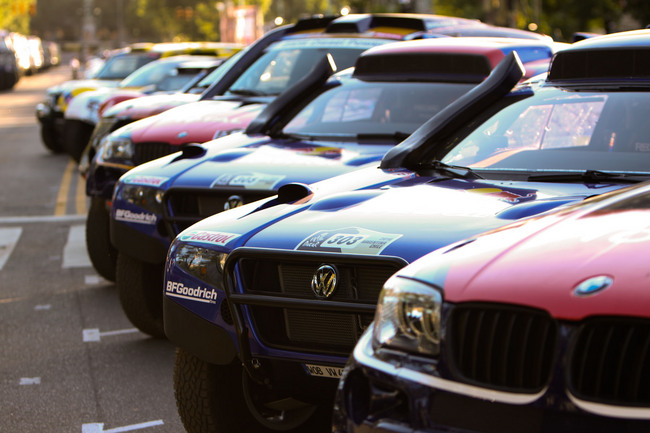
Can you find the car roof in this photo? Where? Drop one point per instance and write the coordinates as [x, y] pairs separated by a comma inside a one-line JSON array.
[[447, 59], [616, 57]]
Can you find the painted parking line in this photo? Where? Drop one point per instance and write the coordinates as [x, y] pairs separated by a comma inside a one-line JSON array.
[[8, 239], [62, 196], [75, 254], [70, 175], [99, 427], [93, 334]]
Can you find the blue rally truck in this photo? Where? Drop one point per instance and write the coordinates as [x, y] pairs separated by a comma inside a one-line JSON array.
[[320, 128], [274, 295], [238, 91]]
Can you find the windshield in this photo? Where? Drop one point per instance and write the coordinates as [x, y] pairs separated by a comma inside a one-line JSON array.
[[119, 67], [151, 73], [218, 73], [373, 108], [557, 130], [286, 62]]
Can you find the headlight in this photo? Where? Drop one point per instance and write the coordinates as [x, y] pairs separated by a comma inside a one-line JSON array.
[[117, 149], [408, 317], [203, 263], [143, 197]]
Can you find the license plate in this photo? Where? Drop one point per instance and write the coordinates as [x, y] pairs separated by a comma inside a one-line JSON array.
[[323, 370]]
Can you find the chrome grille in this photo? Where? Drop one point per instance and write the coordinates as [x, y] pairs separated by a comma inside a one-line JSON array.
[[610, 362], [502, 347]]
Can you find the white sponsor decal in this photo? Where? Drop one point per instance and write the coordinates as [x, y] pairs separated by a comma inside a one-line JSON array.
[[350, 240], [209, 237], [135, 217], [323, 371], [249, 180], [179, 290], [145, 180]]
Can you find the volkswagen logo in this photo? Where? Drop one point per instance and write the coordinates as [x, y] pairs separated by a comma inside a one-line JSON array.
[[324, 281], [232, 202]]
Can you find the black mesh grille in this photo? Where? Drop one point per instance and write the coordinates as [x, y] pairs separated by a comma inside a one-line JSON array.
[[145, 152], [610, 362], [502, 347], [186, 207], [306, 329]]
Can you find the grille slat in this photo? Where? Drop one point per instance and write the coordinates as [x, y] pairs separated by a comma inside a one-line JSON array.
[[609, 363], [303, 329], [501, 347], [145, 152]]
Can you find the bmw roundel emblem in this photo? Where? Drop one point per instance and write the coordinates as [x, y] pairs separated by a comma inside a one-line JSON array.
[[183, 134], [324, 281], [232, 202], [593, 285]]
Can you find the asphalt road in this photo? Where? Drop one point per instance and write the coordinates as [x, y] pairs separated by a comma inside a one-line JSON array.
[[70, 361]]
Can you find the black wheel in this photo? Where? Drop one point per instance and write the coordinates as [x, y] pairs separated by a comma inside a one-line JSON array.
[[223, 399], [76, 135], [50, 138], [140, 288], [102, 253]]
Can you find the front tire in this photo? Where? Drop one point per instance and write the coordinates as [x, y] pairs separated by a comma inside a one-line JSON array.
[[222, 399], [102, 253], [140, 288], [76, 135], [50, 138]]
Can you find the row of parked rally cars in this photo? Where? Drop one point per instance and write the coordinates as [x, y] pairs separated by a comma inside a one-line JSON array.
[[445, 233]]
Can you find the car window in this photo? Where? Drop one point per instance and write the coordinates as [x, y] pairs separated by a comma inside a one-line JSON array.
[[286, 62], [556, 130], [119, 67], [359, 107]]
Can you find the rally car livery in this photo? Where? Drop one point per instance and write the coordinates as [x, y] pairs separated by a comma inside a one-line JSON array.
[[344, 123], [297, 276], [540, 326], [241, 88]]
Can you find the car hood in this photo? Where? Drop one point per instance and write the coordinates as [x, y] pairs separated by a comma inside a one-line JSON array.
[[541, 263], [395, 213], [149, 105], [258, 162], [195, 122]]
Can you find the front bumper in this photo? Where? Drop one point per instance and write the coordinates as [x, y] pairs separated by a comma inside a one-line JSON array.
[[378, 396], [145, 245]]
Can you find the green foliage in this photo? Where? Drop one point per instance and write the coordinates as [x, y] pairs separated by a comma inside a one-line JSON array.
[[167, 20]]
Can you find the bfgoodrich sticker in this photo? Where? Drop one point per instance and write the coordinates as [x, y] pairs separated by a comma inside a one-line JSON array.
[[179, 290], [135, 217], [349, 240]]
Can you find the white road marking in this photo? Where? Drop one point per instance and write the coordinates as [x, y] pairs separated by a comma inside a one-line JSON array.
[[75, 254], [42, 219], [99, 427], [8, 239], [93, 334], [30, 380], [92, 280]]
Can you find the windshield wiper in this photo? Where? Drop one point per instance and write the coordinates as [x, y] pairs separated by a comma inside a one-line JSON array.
[[454, 171], [396, 137], [587, 176]]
